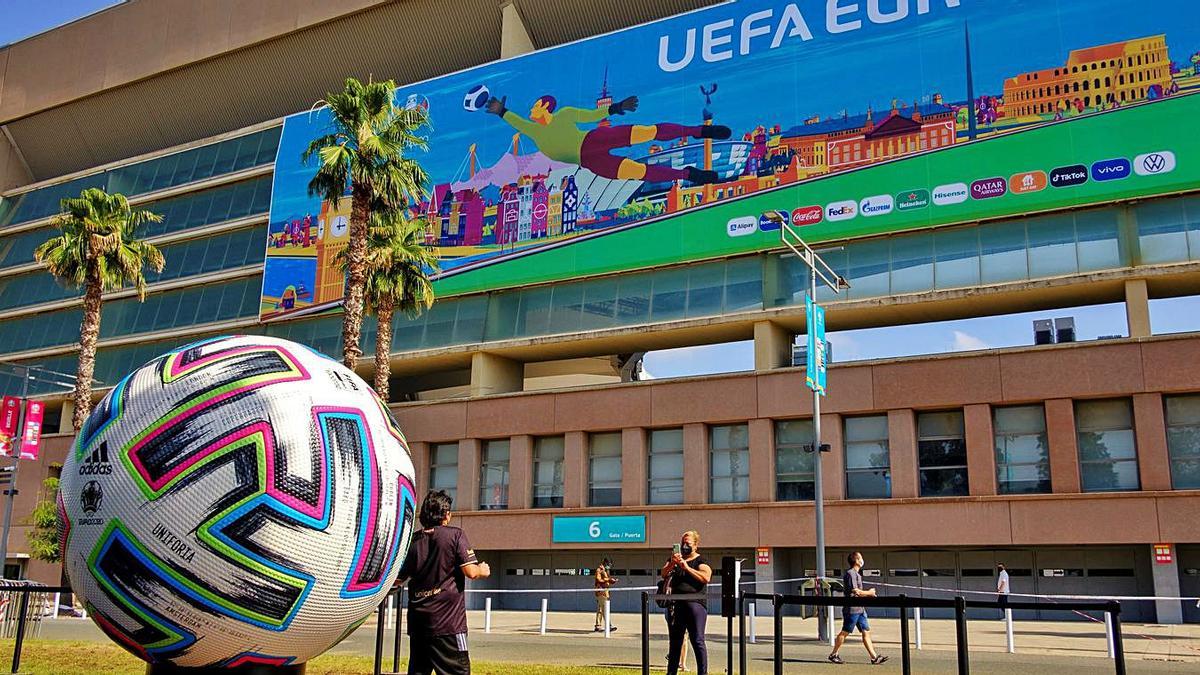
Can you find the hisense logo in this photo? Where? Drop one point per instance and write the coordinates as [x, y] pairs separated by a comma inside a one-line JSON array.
[[954, 193]]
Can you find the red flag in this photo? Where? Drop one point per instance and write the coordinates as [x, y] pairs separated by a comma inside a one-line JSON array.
[[10, 410], [31, 437]]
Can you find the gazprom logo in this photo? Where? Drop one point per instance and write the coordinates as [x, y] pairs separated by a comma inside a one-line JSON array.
[[1112, 169], [841, 210], [878, 205]]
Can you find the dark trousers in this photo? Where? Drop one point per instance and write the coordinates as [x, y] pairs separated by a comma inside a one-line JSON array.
[[689, 617], [441, 654]]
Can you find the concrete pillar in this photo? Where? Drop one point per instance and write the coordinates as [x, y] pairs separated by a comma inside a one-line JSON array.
[[902, 451], [469, 456], [1064, 454], [762, 460], [575, 469], [695, 464], [633, 467], [492, 374], [514, 38], [420, 458], [1149, 424], [1137, 308], [65, 422], [1166, 584], [833, 463], [981, 449], [520, 472], [764, 580], [772, 346]]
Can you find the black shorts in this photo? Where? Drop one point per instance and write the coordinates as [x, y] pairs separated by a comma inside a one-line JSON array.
[[442, 654]]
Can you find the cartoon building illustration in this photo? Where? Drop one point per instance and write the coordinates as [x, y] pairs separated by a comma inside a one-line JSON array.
[[570, 204], [851, 141], [1095, 77], [333, 234]]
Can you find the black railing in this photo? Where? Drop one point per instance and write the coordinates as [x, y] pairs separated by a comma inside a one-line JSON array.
[[23, 614], [393, 597], [904, 604]]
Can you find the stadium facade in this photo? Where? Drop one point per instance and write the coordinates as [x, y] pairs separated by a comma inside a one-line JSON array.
[[1076, 464]]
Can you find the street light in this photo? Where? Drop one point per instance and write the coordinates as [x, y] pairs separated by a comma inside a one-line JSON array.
[[31, 374], [818, 269]]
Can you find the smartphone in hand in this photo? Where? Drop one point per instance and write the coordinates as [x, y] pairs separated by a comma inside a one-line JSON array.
[[676, 549]]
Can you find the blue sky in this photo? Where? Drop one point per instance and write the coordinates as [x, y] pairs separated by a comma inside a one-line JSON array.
[[23, 18], [1173, 315]]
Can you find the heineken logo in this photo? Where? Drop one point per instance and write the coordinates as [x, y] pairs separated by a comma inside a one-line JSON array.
[[912, 199]]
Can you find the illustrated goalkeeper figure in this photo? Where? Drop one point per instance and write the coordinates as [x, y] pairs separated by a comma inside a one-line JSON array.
[[557, 134]]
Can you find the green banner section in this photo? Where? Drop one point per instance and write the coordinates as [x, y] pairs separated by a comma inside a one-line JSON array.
[[1135, 151]]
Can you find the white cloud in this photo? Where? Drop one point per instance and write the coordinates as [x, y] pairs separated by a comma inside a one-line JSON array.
[[965, 342]]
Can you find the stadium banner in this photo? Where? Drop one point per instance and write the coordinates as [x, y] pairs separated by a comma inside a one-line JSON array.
[[667, 142], [10, 413], [31, 436]]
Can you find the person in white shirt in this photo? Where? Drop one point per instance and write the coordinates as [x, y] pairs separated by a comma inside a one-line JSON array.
[[1002, 586]]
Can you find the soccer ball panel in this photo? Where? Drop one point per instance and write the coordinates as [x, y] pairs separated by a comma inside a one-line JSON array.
[[237, 499]]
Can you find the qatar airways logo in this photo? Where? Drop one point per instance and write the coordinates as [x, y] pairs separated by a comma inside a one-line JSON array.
[[770, 28]]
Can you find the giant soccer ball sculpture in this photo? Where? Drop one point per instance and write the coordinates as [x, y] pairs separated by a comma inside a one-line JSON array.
[[238, 501]]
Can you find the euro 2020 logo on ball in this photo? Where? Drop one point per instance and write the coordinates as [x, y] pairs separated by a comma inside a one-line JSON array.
[[241, 500]]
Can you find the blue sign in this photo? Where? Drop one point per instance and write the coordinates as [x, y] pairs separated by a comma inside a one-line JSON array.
[[599, 529], [1112, 169], [815, 321], [773, 221]]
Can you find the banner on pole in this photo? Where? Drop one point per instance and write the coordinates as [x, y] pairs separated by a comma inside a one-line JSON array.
[[815, 321], [10, 410], [31, 436]]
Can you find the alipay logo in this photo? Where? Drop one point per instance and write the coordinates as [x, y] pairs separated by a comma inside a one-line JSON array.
[[740, 227], [841, 210], [879, 205], [954, 193]]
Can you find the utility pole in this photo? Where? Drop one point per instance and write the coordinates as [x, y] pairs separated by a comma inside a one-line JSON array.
[[821, 271]]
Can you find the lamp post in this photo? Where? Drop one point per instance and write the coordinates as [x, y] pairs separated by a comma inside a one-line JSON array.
[[10, 492], [819, 270]]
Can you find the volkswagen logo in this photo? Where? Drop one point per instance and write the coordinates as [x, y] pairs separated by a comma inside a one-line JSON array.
[[1154, 163]]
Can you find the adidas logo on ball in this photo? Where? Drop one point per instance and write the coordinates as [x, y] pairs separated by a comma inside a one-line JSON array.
[[96, 464]]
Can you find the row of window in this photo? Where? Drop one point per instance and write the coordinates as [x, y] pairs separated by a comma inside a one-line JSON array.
[[184, 259], [223, 301], [195, 209], [160, 173], [1107, 453]]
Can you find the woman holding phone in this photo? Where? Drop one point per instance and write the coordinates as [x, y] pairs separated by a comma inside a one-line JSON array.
[[687, 572]]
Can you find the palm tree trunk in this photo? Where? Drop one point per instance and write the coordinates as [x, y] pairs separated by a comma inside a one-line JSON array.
[[383, 348], [352, 310], [89, 332]]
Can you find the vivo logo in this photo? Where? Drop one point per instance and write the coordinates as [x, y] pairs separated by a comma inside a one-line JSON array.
[[954, 193], [740, 227], [878, 205], [841, 210], [1112, 169]]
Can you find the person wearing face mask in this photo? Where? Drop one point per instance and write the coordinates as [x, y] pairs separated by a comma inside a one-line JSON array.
[[604, 580], [687, 572]]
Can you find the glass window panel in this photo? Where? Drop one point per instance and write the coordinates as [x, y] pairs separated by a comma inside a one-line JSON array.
[[863, 455], [494, 475], [1185, 474], [606, 469], [792, 460], [599, 304], [868, 265], [1102, 415], [503, 312], [1096, 231], [868, 484], [1183, 440], [566, 306], [166, 172], [866, 428], [1052, 246], [1109, 476], [1004, 255], [666, 439], [226, 155], [534, 314], [1023, 419], [944, 482], [1162, 231], [706, 289], [666, 466], [743, 284], [633, 300], [793, 432], [912, 264], [940, 424], [729, 436], [606, 444], [670, 294], [469, 322], [957, 257]]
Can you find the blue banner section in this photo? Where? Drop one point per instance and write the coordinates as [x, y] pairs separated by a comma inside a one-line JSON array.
[[599, 529], [815, 317]]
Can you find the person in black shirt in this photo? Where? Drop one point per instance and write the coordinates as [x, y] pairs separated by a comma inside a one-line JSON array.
[[438, 564], [687, 572], [855, 616]]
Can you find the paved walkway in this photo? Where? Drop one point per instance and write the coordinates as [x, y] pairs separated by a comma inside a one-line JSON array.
[[1042, 646]]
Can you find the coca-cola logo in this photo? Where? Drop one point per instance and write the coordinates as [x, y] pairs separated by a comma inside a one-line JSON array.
[[807, 215]]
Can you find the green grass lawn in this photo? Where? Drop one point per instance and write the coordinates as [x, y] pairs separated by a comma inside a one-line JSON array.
[[60, 657]]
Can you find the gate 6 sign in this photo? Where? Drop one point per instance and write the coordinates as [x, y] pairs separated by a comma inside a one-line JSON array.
[[599, 529]]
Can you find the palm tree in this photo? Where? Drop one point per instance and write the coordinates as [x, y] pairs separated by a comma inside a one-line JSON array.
[[398, 265], [364, 155], [98, 250]]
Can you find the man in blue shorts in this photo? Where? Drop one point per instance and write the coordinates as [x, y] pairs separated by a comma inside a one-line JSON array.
[[855, 617]]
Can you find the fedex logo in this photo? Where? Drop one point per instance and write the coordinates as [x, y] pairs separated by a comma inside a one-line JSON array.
[[841, 210]]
